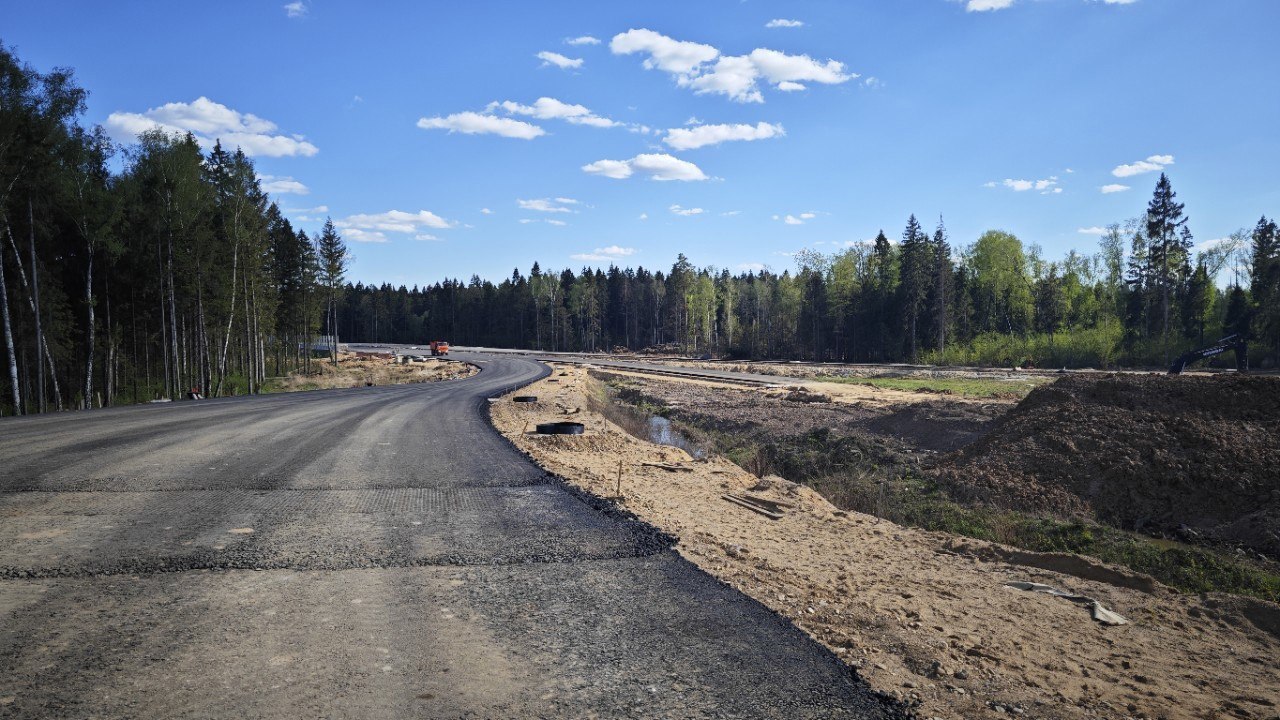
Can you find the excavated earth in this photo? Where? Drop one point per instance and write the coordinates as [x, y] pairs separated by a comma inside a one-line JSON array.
[[1194, 455]]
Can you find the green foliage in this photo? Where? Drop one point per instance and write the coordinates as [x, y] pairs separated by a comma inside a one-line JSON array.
[[967, 387]]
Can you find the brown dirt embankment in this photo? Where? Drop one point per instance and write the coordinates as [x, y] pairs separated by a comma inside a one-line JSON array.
[[924, 615], [1198, 454], [355, 370]]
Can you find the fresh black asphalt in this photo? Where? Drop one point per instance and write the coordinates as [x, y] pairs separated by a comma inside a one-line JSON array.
[[364, 553]]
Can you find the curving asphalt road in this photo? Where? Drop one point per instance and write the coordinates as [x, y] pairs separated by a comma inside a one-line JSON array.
[[364, 553]]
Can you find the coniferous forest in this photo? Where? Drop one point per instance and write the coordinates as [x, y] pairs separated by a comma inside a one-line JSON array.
[[140, 272]]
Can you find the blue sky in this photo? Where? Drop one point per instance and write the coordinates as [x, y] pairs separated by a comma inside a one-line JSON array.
[[847, 118]]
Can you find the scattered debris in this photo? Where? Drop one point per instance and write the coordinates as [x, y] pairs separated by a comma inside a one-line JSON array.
[[753, 505], [1100, 613]]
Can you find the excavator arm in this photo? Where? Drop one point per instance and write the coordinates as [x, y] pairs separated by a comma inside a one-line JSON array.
[[1230, 342]]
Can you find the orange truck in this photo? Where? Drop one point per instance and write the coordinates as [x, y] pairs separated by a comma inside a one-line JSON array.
[[439, 347]]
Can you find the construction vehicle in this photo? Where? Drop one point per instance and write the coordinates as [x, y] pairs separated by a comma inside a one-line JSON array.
[[439, 347], [1230, 342]]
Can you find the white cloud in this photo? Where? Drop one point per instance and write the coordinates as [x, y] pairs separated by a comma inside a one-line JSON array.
[[656, 166], [781, 23], [985, 5], [486, 211], [616, 169], [317, 209], [735, 76], [560, 61], [296, 9], [780, 67], [1095, 230], [547, 205], [752, 267], [425, 237], [686, 212], [1120, 2], [526, 221], [546, 108], [673, 56], [1046, 187], [473, 123], [730, 213], [282, 186], [560, 223], [373, 227], [582, 40], [613, 252], [1113, 188], [209, 122], [1151, 164], [643, 216], [794, 220], [703, 135]]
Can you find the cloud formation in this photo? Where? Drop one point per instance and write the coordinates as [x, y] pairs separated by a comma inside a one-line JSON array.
[[605, 254], [583, 40], [735, 76], [1045, 187], [1151, 164], [781, 23], [296, 9], [1113, 188], [209, 122], [474, 123], [657, 166], [684, 211], [372, 228], [548, 205], [560, 61], [547, 108], [795, 219], [703, 135], [273, 185]]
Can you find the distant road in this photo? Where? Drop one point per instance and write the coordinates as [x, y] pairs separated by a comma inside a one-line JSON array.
[[363, 553]]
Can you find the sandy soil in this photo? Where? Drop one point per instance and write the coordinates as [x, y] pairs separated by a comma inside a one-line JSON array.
[[353, 371], [924, 615]]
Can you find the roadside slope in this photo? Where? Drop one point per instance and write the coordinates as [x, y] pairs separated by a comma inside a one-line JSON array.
[[925, 615]]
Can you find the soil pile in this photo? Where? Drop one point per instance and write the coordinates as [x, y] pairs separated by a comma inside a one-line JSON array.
[[1187, 454]]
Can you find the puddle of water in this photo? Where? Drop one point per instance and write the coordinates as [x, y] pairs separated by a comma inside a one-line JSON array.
[[662, 433]]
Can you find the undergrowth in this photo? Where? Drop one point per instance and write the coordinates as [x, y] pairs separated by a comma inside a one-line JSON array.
[[968, 387]]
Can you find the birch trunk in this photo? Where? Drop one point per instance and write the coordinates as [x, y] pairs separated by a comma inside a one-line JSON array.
[[8, 334], [22, 275]]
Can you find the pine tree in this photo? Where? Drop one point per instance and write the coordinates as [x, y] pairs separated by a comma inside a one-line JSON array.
[[332, 253], [917, 262]]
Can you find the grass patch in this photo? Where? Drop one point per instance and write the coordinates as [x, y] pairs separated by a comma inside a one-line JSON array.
[[967, 387]]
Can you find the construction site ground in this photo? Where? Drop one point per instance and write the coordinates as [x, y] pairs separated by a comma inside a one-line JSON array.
[[926, 616], [361, 369]]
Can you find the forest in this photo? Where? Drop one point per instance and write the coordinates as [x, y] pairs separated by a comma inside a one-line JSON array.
[[147, 271]]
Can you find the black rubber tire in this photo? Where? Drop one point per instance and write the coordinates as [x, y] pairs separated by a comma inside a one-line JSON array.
[[525, 398], [561, 428]]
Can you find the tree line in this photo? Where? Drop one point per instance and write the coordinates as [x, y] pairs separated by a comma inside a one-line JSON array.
[[174, 275], [1142, 298], [133, 274]]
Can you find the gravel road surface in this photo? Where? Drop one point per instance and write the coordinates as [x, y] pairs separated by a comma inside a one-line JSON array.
[[364, 553]]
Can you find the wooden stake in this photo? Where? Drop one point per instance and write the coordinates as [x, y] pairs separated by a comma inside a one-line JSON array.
[[618, 493]]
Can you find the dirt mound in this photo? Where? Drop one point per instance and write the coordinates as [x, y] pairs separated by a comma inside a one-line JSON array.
[[1189, 454]]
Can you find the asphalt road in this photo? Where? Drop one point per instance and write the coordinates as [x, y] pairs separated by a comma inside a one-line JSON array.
[[363, 553]]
